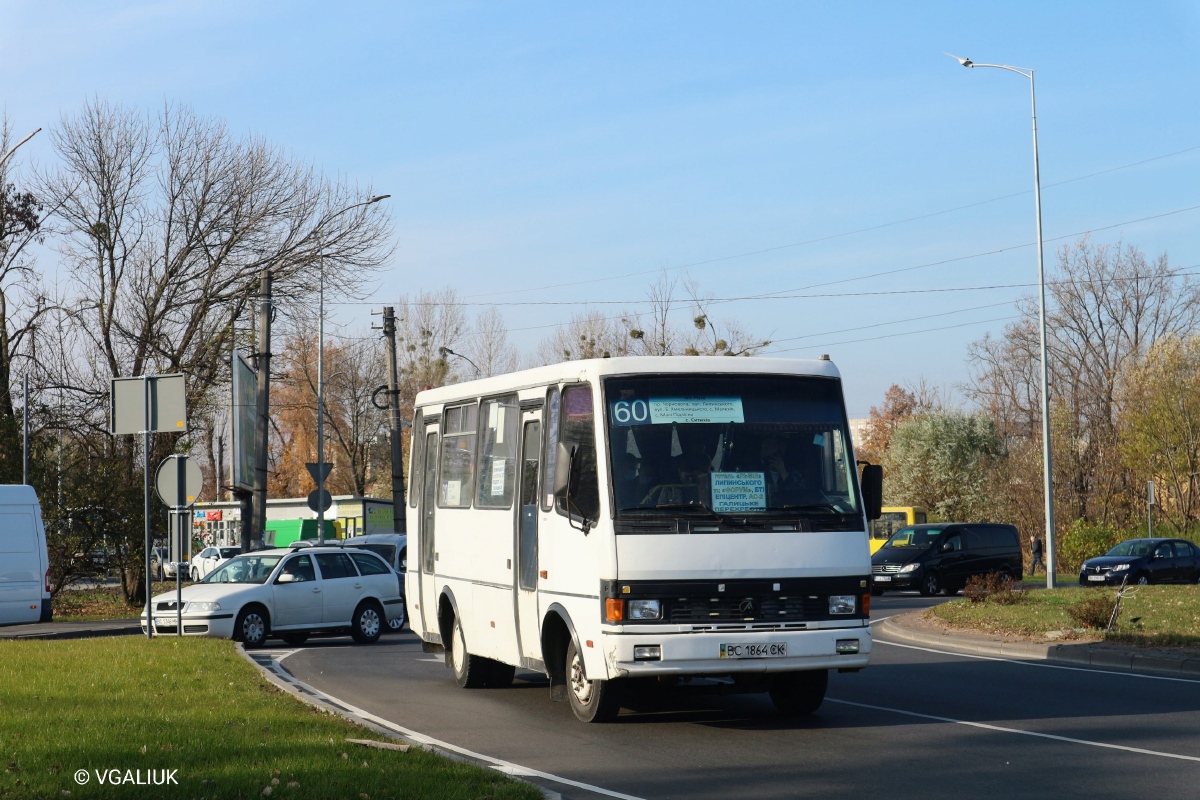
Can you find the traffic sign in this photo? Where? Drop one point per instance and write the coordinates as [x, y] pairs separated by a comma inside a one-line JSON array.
[[165, 396], [178, 481], [318, 471], [320, 500]]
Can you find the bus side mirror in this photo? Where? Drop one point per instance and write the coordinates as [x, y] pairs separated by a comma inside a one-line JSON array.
[[871, 482], [565, 474]]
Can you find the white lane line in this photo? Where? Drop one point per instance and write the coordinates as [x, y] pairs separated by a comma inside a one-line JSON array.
[[1031, 663], [881, 619], [432, 660], [507, 767], [1001, 729]]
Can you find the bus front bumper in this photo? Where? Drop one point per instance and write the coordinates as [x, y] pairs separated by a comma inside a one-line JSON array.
[[736, 652]]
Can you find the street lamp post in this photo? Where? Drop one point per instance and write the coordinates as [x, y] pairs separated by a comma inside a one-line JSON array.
[[321, 372], [446, 351], [1047, 472]]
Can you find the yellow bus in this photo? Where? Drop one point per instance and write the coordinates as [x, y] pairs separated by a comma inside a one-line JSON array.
[[893, 519]]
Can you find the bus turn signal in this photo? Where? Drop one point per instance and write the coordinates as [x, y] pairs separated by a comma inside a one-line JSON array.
[[614, 609]]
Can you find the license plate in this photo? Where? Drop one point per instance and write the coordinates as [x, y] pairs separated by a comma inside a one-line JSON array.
[[756, 650], [884, 578], [164, 621], [1095, 577]]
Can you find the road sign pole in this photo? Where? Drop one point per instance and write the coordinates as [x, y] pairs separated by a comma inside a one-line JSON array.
[[180, 494], [146, 472]]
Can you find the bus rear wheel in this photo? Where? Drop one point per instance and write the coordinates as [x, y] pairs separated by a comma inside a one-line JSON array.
[[591, 701], [471, 672], [798, 693]]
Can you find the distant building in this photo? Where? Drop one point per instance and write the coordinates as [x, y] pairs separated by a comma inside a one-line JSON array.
[[221, 522], [858, 431]]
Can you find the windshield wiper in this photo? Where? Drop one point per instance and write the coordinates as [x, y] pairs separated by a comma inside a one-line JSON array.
[[814, 507], [693, 507]]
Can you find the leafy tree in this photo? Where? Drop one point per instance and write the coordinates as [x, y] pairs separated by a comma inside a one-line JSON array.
[[941, 461], [1161, 426]]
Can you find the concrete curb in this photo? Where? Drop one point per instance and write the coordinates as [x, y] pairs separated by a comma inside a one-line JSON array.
[[1128, 660], [312, 697]]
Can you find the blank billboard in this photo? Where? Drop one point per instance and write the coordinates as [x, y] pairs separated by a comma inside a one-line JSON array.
[[243, 418]]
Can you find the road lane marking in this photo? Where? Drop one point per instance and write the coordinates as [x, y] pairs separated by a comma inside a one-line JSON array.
[[881, 619], [507, 767], [1031, 663], [1002, 729]]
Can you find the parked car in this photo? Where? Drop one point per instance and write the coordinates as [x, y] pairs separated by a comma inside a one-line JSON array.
[[1144, 561], [209, 559], [287, 593], [942, 556], [392, 548], [158, 561]]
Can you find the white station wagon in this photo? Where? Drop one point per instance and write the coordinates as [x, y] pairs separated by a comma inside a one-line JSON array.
[[287, 593]]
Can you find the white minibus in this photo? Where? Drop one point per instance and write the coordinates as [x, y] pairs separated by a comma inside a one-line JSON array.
[[636, 522], [24, 562]]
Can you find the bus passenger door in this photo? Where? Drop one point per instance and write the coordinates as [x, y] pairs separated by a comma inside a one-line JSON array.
[[526, 544], [427, 508]]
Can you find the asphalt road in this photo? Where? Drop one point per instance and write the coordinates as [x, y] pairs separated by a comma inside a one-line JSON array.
[[916, 723]]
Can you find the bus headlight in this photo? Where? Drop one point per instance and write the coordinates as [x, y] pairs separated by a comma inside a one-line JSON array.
[[841, 603], [645, 609]]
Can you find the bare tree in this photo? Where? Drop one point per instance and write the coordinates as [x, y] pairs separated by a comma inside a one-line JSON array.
[[165, 224], [717, 337], [1108, 304], [489, 346], [23, 300], [589, 334]]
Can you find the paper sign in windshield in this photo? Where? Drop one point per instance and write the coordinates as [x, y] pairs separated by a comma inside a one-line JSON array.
[[738, 491], [695, 409]]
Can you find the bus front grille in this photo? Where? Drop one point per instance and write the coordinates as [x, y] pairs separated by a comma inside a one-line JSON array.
[[746, 609]]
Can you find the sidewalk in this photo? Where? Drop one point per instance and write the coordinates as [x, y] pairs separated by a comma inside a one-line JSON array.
[[72, 630], [911, 628]]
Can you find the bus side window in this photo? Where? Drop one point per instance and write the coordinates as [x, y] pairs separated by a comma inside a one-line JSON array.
[[578, 427], [550, 453], [458, 457], [416, 457], [497, 470]]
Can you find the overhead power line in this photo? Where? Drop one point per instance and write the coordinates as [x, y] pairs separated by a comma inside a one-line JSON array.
[[843, 234]]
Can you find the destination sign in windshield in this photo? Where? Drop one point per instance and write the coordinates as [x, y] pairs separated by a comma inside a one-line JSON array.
[[683, 410]]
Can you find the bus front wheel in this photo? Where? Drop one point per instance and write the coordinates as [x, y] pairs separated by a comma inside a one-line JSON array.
[[591, 701], [797, 693], [471, 672]]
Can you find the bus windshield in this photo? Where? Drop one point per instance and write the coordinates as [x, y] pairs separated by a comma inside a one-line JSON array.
[[729, 445]]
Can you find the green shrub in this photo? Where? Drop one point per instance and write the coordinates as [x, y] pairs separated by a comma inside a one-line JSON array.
[[1084, 540], [1094, 612]]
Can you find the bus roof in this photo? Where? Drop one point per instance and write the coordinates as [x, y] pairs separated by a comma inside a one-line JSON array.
[[593, 368]]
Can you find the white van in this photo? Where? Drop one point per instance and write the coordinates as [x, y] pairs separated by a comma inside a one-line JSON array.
[[24, 563]]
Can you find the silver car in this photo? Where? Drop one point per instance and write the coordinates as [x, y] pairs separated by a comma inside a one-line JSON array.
[[286, 593], [392, 548]]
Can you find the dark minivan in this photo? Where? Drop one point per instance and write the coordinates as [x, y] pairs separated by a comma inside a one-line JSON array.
[[942, 556]]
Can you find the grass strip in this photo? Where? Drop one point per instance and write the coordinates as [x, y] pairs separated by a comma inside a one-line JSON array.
[[196, 707], [1151, 616]]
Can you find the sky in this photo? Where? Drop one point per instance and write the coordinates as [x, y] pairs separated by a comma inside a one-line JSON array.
[[829, 150]]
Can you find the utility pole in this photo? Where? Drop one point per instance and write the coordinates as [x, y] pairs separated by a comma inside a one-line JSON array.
[[389, 333], [252, 534], [25, 434]]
